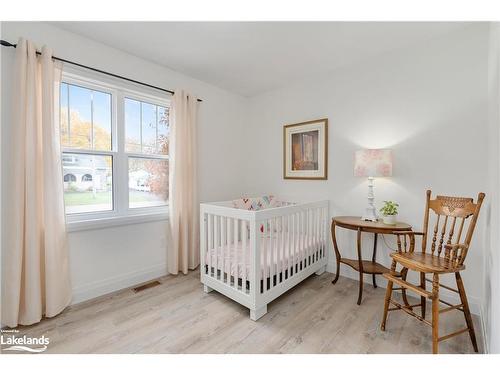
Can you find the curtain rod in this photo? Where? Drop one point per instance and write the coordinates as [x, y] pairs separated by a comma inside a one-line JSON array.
[[4, 43]]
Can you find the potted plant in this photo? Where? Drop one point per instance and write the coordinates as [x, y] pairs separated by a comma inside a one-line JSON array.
[[389, 212]]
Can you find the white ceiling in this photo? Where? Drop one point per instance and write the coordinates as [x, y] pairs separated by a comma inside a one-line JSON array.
[[249, 58]]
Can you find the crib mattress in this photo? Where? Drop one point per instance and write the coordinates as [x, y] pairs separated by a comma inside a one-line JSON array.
[[272, 262]]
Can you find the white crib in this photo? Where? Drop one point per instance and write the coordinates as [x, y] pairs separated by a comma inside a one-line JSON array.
[[253, 257]]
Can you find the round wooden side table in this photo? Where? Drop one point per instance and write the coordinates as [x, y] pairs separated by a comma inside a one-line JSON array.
[[360, 265]]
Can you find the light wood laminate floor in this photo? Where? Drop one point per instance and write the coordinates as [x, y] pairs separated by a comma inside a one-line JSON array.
[[178, 317]]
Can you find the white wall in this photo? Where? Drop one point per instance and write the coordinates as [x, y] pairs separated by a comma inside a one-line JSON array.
[[427, 102], [491, 296], [112, 258]]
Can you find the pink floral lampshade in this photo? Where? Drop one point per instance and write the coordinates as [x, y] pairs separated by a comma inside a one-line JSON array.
[[373, 163]]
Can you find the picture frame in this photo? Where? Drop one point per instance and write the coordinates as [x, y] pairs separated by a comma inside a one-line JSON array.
[[305, 150]]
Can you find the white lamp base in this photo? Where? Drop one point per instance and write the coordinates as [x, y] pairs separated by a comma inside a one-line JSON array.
[[370, 215], [370, 211]]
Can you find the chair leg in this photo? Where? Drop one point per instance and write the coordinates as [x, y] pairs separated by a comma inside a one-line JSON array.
[[423, 300], [435, 313], [468, 317], [388, 294]]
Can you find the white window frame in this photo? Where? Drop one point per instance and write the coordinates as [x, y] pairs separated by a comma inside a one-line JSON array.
[[121, 214]]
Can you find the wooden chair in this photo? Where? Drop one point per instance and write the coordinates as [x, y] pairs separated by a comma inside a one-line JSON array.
[[449, 213]]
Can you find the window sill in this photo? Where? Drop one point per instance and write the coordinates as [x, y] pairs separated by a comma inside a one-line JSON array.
[[115, 221]]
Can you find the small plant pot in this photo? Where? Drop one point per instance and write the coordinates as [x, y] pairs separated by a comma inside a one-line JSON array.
[[390, 219]]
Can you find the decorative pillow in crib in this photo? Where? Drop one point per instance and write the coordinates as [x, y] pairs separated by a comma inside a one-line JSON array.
[[256, 204], [261, 203]]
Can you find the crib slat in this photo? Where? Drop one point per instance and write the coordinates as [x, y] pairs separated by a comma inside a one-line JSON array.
[[225, 249], [288, 243], [214, 245], [217, 246], [223, 246], [236, 251], [297, 244], [326, 235], [300, 245], [316, 238], [326, 224], [313, 234], [311, 238], [297, 241], [279, 233], [276, 264], [318, 247], [264, 252], [220, 247], [318, 232], [272, 251], [229, 250], [244, 253], [304, 239], [203, 242], [308, 237], [209, 243], [313, 229], [283, 248], [292, 244]]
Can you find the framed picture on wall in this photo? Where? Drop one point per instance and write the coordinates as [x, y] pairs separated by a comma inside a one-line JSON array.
[[305, 150]]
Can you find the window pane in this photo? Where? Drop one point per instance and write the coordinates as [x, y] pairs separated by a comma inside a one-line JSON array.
[[148, 128], [88, 185], [80, 117], [163, 130], [102, 120], [147, 182], [132, 125], [88, 125]]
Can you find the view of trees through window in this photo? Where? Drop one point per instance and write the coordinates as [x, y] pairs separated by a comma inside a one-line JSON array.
[[147, 133], [87, 139]]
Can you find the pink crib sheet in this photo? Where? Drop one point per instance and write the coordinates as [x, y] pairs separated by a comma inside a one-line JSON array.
[[277, 260]]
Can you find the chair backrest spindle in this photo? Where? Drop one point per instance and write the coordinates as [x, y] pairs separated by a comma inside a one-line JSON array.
[[434, 237], [451, 209], [452, 229], [443, 232]]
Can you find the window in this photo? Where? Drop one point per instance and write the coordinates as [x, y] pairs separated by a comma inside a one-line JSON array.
[[146, 143], [115, 150], [69, 178], [86, 178]]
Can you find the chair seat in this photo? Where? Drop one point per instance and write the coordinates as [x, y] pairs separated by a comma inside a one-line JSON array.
[[425, 262]]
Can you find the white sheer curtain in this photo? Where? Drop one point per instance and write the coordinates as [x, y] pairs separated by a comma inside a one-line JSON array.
[[35, 258], [183, 252]]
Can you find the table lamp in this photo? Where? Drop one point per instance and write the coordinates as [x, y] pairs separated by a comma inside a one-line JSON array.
[[372, 163]]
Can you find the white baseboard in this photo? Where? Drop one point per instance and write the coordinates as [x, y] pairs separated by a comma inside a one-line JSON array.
[[113, 284], [474, 303]]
